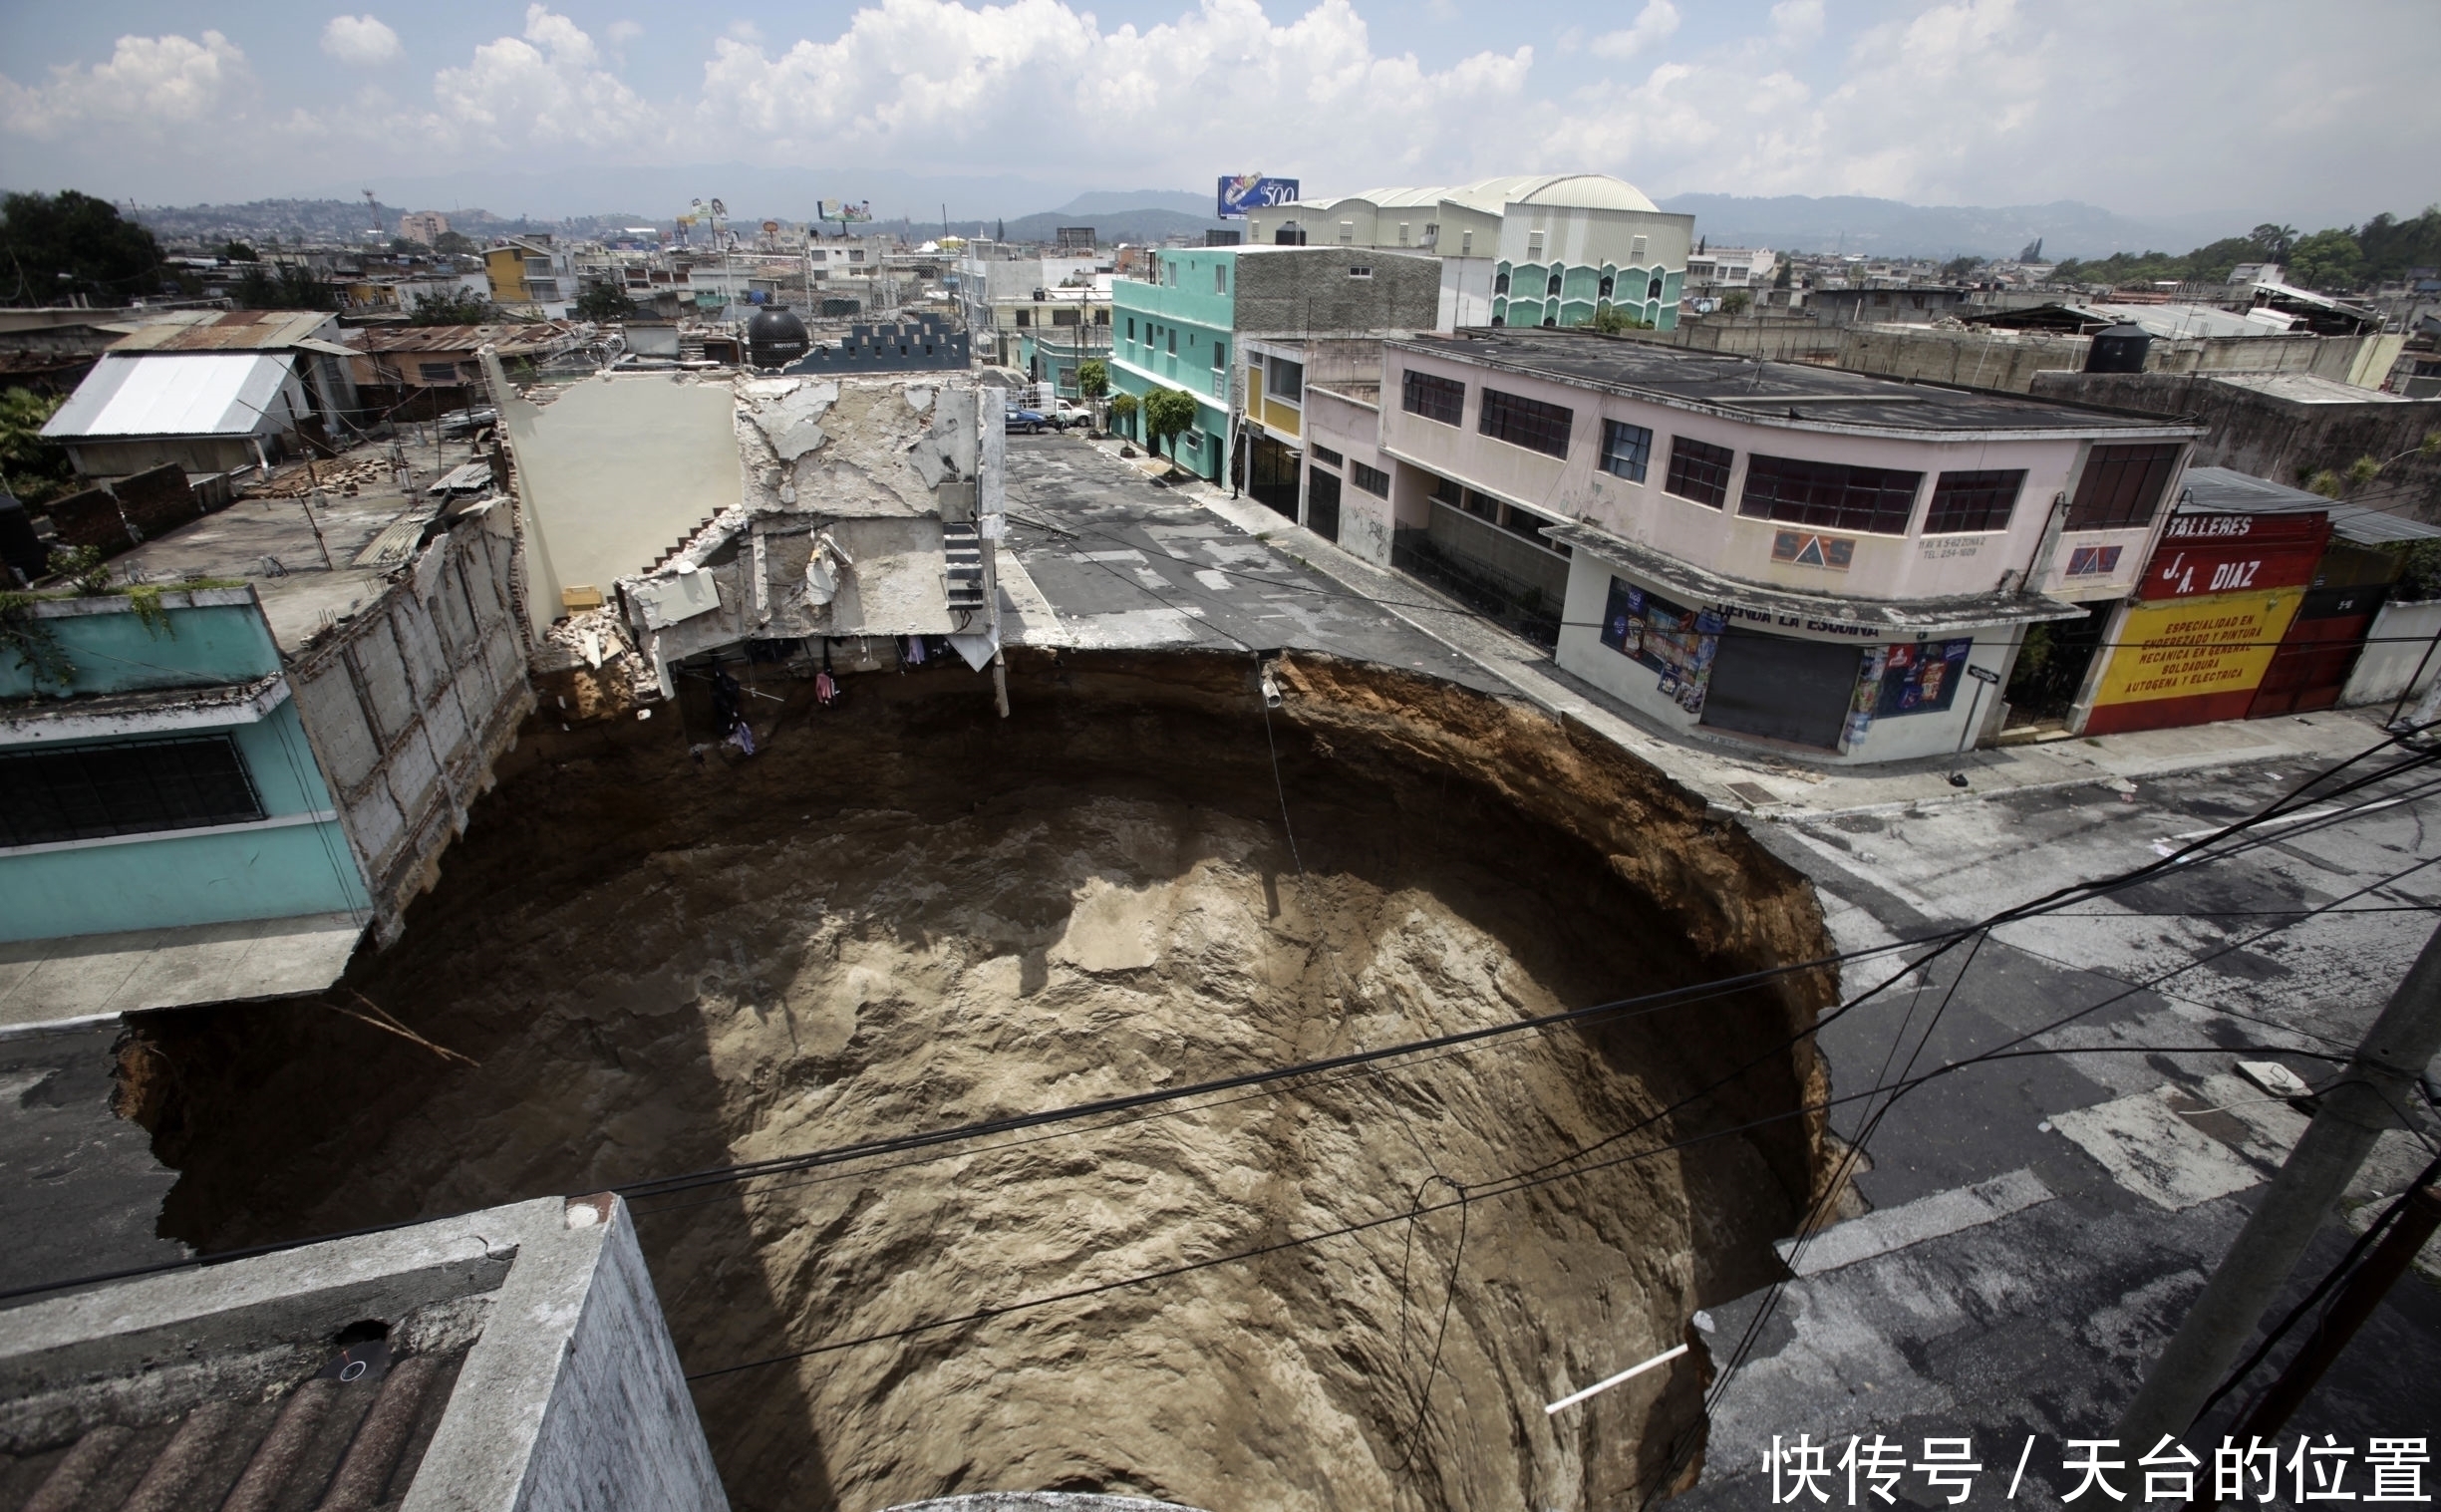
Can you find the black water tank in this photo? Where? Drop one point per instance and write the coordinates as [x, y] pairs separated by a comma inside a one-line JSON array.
[[774, 337], [2119, 349]]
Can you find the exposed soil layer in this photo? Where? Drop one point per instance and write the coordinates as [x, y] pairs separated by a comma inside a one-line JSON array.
[[907, 914]]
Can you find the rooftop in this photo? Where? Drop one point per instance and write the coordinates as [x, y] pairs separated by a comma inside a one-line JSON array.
[[509, 339], [2220, 491], [151, 394], [2309, 389], [1782, 394], [226, 331]]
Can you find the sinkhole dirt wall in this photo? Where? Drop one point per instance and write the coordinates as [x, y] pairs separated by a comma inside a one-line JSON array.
[[906, 914]]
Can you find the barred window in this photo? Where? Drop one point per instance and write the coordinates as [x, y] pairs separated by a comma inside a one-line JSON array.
[[85, 792], [1876, 501], [1326, 455], [1973, 501], [1433, 398], [1372, 480], [1699, 471], [1527, 422], [1625, 449], [1446, 492], [2122, 487]]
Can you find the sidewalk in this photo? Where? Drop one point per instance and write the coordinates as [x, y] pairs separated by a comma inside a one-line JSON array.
[[1756, 782]]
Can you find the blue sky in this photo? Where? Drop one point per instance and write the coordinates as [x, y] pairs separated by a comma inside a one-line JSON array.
[[2160, 109]]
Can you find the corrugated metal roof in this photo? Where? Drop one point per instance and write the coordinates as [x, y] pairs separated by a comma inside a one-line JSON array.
[[229, 331], [201, 393], [509, 338], [2224, 490]]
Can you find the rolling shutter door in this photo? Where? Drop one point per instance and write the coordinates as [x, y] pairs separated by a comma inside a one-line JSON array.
[[1781, 689]]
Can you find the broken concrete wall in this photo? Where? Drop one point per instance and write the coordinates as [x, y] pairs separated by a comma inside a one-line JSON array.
[[865, 470], [409, 706], [613, 474]]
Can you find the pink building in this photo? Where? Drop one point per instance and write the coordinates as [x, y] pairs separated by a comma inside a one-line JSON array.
[[1831, 563]]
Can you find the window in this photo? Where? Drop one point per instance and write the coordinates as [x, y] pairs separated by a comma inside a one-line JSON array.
[[1500, 283], [1432, 396], [1467, 243], [1064, 317], [1636, 249], [1347, 234], [1653, 290], [1625, 449], [1359, 272], [1876, 501], [1025, 318], [1973, 501], [1446, 492], [438, 372], [1220, 355], [1220, 278], [1552, 289], [2122, 487], [1372, 480], [1527, 422], [855, 257], [1606, 288], [1699, 471], [820, 256], [1534, 246], [1169, 274], [85, 792], [1532, 526], [1403, 233], [1172, 333], [1326, 455], [1284, 379], [1131, 328]]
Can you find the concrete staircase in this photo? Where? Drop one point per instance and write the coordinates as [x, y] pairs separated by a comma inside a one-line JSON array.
[[961, 549]]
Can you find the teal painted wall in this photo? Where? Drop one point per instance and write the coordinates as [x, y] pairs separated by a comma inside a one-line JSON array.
[[1201, 313], [178, 878], [114, 652], [1530, 302]]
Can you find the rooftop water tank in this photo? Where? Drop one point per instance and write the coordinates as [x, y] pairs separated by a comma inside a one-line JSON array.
[[2119, 349], [774, 337]]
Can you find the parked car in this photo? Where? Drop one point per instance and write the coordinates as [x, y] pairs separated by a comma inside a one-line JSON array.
[[1028, 421], [1065, 412]]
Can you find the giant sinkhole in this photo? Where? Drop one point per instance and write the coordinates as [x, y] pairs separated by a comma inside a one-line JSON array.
[[906, 913]]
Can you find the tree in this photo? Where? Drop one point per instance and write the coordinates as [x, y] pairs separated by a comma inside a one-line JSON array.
[[54, 246], [408, 246], [451, 307], [1958, 268], [238, 251], [1610, 320], [1736, 302], [2272, 243], [1122, 410], [2032, 251], [455, 243], [1167, 413], [33, 469], [282, 286], [602, 300], [2325, 260], [1786, 275], [1093, 380]]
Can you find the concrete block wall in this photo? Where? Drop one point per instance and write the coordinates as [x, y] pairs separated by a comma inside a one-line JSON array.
[[1309, 289], [115, 516], [409, 707]]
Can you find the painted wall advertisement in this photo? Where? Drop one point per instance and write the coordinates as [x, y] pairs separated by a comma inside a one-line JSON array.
[[2191, 660], [1241, 192], [1910, 677], [1677, 643]]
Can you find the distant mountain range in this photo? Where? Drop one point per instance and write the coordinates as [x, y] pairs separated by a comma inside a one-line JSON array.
[[1886, 227]]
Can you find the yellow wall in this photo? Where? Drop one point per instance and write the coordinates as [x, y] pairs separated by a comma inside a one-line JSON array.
[[2192, 647], [505, 267]]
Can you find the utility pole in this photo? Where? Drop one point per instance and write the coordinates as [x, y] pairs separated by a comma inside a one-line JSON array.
[[992, 523], [2379, 1079]]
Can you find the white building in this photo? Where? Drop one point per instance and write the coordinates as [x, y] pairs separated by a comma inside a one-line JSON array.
[[1823, 562], [1547, 249]]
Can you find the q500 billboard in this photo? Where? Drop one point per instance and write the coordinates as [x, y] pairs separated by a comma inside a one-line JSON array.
[[1240, 192]]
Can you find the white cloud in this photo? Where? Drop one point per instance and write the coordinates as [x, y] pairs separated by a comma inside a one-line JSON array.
[[151, 86], [1986, 101], [1651, 27], [545, 88], [363, 40], [933, 86]]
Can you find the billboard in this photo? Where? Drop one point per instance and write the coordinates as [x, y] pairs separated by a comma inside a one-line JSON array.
[[1240, 192], [846, 209], [2204, 554]]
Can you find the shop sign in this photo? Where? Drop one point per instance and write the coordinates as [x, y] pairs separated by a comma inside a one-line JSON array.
[[1922, 677], [2234, 553], [1677, 643], [2191, 662]]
